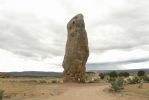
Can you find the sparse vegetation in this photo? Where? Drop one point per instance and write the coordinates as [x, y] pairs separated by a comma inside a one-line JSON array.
[[1, 94], [43, 81], [113, 74], [23, 87], [117, 85], [123, 74], [146, 78], [134, 80], [141, 73], [141, 83], [111, 79], [144, 91], [29, 81], [92, 77], [102, 75], [55, 81], [97, 80]]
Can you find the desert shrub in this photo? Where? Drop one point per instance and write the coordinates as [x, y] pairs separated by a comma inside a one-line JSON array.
[[1, 94], [142, 77], [123, 74], [33, 81], [141, 83], [117, 85], [113, 74], [29, 81], [101, 75], [55, 81], [97, 80], [145, 78], [94, 80], [141, 73], [134, 80], [111, 79], [42, 81]]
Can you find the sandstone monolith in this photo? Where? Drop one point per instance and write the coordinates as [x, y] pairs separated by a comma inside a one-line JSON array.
[[76, 51]]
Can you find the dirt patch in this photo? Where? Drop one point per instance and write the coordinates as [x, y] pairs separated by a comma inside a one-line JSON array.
[[34, 90]]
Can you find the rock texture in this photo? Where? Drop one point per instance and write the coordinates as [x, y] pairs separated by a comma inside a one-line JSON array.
[[77, 51]]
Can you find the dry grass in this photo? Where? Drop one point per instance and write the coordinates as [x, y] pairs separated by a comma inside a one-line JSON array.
[[139, 91], [27, 87]]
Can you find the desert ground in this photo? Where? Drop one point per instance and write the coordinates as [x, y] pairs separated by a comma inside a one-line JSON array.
[[45, 88]]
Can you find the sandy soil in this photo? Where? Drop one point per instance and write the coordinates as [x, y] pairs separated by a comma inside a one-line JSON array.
[[94, 92], [29, 90], [75, 92]]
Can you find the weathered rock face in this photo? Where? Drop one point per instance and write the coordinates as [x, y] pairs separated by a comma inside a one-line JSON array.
[[77, 51]]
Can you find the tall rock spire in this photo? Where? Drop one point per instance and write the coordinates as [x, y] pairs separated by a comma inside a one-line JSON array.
[[77, 51]]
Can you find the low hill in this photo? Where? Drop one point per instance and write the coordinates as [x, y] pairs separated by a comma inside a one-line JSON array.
[[35, 73]]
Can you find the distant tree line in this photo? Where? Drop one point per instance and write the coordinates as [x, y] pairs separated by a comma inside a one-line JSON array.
[[115, 74]]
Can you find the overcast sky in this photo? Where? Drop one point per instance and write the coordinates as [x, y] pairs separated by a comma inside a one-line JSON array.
[[33, 33]]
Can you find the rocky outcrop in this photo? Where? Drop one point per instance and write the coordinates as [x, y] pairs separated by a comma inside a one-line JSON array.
[[77, 51]]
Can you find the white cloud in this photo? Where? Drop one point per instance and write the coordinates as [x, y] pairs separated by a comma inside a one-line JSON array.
[[12, 62], [118, 55], [135, 65]]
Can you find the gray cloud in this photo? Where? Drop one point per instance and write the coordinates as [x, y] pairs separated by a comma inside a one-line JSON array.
[[122, 62], [120, 26], [133, 22], [114, 65], [20, 36]]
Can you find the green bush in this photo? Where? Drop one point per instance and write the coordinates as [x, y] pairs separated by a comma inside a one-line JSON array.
[[42, 81], [1, 94], [101, 75], [146, 78], [111, 79], [117, 85], [123, 74], [55, 81], [29, 81], [141, 73], [135, 80], [113, 74]]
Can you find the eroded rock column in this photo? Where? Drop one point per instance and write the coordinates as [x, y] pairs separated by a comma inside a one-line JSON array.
[[77, 51]]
